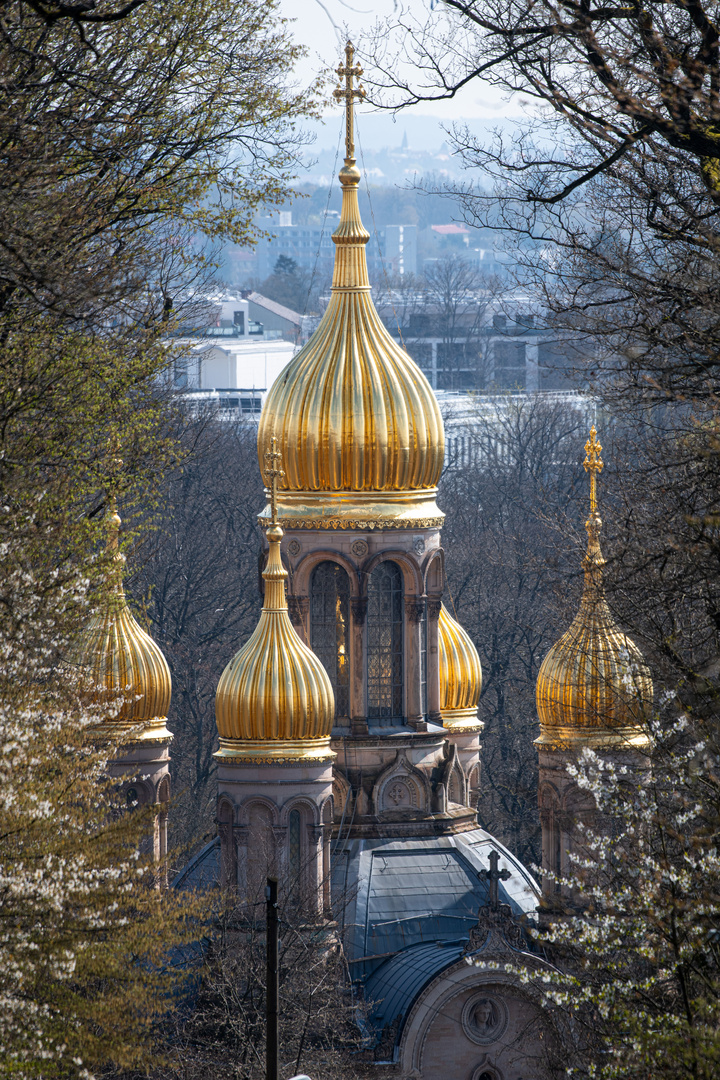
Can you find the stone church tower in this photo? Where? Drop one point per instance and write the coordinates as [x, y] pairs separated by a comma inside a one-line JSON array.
[[593, 690], [362, 445], [274, 708], [120, 660]]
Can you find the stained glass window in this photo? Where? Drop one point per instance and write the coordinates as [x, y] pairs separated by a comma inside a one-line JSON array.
[[294, 851], [385, 643], [329, 628]]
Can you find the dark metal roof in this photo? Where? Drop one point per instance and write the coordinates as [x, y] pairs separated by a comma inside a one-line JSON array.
[[394, 893], [203, 870], [396, 984]]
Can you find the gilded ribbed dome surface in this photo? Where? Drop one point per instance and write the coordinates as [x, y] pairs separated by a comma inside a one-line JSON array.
[[594, 688], [274, 699], [119, 656], [460, 675], [357, 422]]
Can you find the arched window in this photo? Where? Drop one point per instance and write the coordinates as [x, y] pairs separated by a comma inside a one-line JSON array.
[[385, 643], [329, 628], [294, 851]]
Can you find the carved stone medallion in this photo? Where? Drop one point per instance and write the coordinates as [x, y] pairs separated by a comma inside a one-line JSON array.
[[294, 548], [419, 545], [359, 548], [485, 1018], [398, 795]]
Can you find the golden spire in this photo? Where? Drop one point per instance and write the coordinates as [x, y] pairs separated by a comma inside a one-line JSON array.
[[460, 676], [594, 688], [593, 464], [274, 701], [273, 473], [348, 93], [357, 423], [119, 657]]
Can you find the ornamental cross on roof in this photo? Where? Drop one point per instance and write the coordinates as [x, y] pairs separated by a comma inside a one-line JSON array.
[[494, 877], [593, 464], [273, 473], [349, 92]]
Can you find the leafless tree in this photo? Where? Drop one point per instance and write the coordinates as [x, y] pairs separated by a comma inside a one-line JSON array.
[[511, 540], [200, 581]]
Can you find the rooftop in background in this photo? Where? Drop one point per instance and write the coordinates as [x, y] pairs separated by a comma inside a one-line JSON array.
[[451, 230], [293, 318]]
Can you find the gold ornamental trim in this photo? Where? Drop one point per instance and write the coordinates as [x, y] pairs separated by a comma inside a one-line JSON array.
[[571, 738], [360, 523], [356, 510], [283, 752], [462, 720]]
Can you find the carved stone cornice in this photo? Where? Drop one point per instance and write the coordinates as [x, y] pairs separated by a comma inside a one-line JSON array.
[[415, 609], [358, 606]]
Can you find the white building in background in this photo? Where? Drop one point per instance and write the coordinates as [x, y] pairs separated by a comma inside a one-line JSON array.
[[230, 351], [233, 374], [480, 428]]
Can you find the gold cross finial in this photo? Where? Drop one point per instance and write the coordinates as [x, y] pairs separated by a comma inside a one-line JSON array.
[[593, 464], [273, 473], [349, 92]]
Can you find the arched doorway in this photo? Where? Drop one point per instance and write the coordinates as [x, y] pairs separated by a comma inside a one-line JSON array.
[[385, 614], [330, 630]]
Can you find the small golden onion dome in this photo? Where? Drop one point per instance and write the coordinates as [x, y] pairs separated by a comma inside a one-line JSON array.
[[594, 688], [121, 659], [460, 676], [274, 701], [357, 423]]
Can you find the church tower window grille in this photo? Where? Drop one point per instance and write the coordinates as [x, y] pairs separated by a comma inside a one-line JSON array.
[[329, 629], [385, 643]]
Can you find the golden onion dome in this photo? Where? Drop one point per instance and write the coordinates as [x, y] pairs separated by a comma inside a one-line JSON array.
[[274, 700], [357, 423], [594, 688], [121, 660], [460, 676]]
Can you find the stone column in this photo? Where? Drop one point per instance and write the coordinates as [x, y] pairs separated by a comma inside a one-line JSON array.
[[240, 838], [280, 852], [358, 685], [414, 611], [315, 869], [299, 611], [433, 662]]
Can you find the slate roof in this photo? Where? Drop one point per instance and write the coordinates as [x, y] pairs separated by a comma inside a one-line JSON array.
[[203, 870], [395, 893], [396, 984]]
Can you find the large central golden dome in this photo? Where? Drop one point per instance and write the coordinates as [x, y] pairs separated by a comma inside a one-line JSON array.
[[356, 421]]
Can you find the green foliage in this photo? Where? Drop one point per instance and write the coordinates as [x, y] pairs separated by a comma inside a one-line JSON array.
[[133, 140]]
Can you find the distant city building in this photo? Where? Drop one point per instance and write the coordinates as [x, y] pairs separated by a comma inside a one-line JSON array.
[[311, 247], [230, 350], [470, 343], [478, 431]]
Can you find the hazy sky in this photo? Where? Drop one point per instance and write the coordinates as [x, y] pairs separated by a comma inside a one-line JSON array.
[[321, 26]]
